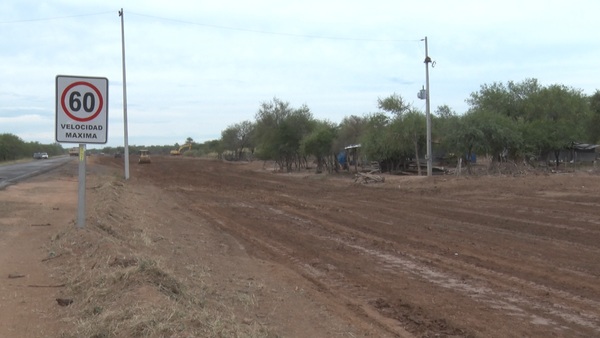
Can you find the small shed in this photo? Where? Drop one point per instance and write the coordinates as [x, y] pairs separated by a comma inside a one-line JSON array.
[[576, 153], [352, 155], [584, 152]]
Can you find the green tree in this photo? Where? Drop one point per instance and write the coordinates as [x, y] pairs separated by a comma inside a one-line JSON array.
[[557, 115], [410, 129], [561, 115], [485, 132], [502, 136], [319, 143], [443, 123], [12, 147], [238, 137], [350, 131], [466, 137], [512, 100], [213, 146], [376, 141], [393, 104], [394, 140], [593, 129], [444, 112], [279, 131]]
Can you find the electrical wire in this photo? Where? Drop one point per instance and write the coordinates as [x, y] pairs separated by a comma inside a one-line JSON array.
[[54, 18], [270, 32], [239, 29]]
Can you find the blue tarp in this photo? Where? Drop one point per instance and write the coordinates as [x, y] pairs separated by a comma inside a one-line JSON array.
[[341, 157]]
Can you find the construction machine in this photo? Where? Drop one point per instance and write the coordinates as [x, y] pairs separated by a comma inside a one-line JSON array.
[[177, 152], [144, 157]]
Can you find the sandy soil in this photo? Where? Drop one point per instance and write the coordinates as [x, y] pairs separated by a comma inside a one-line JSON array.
[[190, 247]]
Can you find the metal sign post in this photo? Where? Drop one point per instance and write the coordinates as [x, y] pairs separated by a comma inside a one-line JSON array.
[[81, 117], [81, 190], [121, 14]]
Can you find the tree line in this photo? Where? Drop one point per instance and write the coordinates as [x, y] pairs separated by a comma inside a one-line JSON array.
[[516, 121], [14, 148]]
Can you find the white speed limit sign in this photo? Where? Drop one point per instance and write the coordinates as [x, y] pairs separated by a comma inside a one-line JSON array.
[[81, 109]]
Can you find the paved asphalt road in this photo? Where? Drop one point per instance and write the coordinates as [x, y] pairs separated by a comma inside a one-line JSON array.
[[12, 173]]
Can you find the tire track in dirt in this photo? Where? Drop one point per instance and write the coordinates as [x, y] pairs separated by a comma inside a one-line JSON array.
[[218, 214], [426, 261], [545, 288], [519, 306], [219, 211], [320, 270], [584, 320], [487, 228], [320, 273]]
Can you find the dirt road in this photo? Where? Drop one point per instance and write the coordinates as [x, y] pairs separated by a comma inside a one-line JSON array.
[[323, 256]]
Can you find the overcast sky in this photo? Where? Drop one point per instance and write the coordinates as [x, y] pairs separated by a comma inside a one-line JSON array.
[[196, 67]]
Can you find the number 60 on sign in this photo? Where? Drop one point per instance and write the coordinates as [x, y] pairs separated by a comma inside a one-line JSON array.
[[81, 109]]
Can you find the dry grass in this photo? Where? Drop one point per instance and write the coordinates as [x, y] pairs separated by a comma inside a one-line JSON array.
[[123, 286]]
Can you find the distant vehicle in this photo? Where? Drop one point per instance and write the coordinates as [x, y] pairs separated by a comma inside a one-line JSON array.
[[177, 152], [39, 156], [144, 157], [118, 155], [74, 151]]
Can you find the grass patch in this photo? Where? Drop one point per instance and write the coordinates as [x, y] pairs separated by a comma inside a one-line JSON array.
[[123, 277]]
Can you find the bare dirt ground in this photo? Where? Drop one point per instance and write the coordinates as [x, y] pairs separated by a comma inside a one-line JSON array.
[[197, 248]]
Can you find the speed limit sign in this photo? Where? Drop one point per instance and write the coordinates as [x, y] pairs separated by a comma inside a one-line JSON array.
[[81, 109]]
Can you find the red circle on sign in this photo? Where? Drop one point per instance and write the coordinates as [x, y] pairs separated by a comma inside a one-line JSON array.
[[87, 84]]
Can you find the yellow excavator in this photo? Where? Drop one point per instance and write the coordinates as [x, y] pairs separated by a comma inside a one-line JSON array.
[[177, 152], [144, 157]]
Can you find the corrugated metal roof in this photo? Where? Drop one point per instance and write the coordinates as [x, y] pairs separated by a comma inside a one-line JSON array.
[[584, 146]]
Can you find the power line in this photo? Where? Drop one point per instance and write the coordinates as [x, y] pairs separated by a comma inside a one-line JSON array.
[[239, 29], [248, 30], [54, 18]]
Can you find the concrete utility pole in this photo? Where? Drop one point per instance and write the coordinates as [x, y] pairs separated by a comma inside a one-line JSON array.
[[427, 111], [126, 150]]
